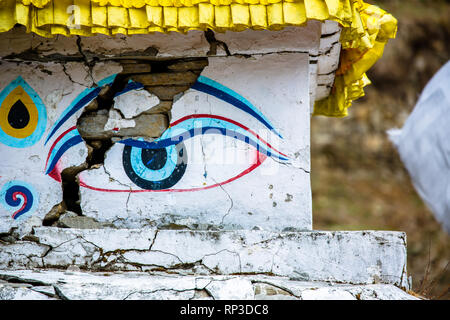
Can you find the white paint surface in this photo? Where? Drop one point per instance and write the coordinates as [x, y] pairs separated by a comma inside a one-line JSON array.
[[133, 103]]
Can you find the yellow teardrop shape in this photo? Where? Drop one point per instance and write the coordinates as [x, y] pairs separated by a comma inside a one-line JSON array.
[[16, 95]]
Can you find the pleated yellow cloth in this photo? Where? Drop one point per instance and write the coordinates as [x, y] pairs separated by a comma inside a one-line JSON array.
[[366, 28]]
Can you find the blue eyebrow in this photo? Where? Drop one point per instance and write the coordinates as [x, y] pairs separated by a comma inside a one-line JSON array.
[[209, 86], [86, 97], [187, 130], [79, 102]]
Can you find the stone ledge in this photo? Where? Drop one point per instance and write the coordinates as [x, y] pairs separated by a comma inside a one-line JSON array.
[[356, 257], [74, 285]]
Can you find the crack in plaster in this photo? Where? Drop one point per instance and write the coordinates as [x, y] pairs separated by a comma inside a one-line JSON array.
[[119, 182], [276, 286], [88, 64], [214, 43], [70, 77], [161, 290], [329, 35], [326, 52], [231, 202], [224, 250]]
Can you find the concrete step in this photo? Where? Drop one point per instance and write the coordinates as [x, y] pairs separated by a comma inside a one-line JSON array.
[[75, 285], [356, 257]]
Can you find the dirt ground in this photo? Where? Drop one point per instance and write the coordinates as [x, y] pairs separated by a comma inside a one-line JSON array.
[[358, 179]]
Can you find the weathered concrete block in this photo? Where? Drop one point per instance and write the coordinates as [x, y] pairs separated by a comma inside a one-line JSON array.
[[99, 126], [72, 220], [22, 292], [339, 257], [25, 254], [17, 41], [192, 44]]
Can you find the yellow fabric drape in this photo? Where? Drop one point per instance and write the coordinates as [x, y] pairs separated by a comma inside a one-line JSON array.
[[366, 28]]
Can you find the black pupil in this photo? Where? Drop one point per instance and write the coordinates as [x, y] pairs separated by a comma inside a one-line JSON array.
[[18, 116], [154, 159]]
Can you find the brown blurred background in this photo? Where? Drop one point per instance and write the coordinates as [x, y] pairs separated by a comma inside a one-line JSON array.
[[358, 179]]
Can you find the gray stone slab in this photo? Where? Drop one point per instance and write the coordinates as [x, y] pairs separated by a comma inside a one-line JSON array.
[[142, 286], [357, 257]]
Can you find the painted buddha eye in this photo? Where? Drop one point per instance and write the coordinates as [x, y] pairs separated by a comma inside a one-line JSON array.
[[170, 163], [161, 164], [155, 169], [23, 117]]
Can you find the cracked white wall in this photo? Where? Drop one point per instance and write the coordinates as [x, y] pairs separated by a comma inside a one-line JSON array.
[[56, 86]]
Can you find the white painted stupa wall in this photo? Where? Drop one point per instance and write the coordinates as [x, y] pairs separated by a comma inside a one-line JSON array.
[[224, 186]]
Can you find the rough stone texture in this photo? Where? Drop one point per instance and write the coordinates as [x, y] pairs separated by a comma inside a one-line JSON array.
[[136, 67], [52, 284], [325, 63], [116, 122], [162, 79], [147, 125], [72, 220], [290, 39], [282, 74], [339, 257], [162, 107], [18, 40], [104, 126], [192, 44], [93, 126], [182, 66], [102, 70], [22, 292]]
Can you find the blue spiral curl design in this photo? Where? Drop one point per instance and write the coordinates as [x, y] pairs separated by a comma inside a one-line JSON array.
[[18, 197]]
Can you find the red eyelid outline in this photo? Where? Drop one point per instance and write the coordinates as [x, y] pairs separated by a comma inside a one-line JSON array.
[[260, 159]]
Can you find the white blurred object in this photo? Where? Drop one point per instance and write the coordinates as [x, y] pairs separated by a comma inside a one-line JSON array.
[[424, 145]]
